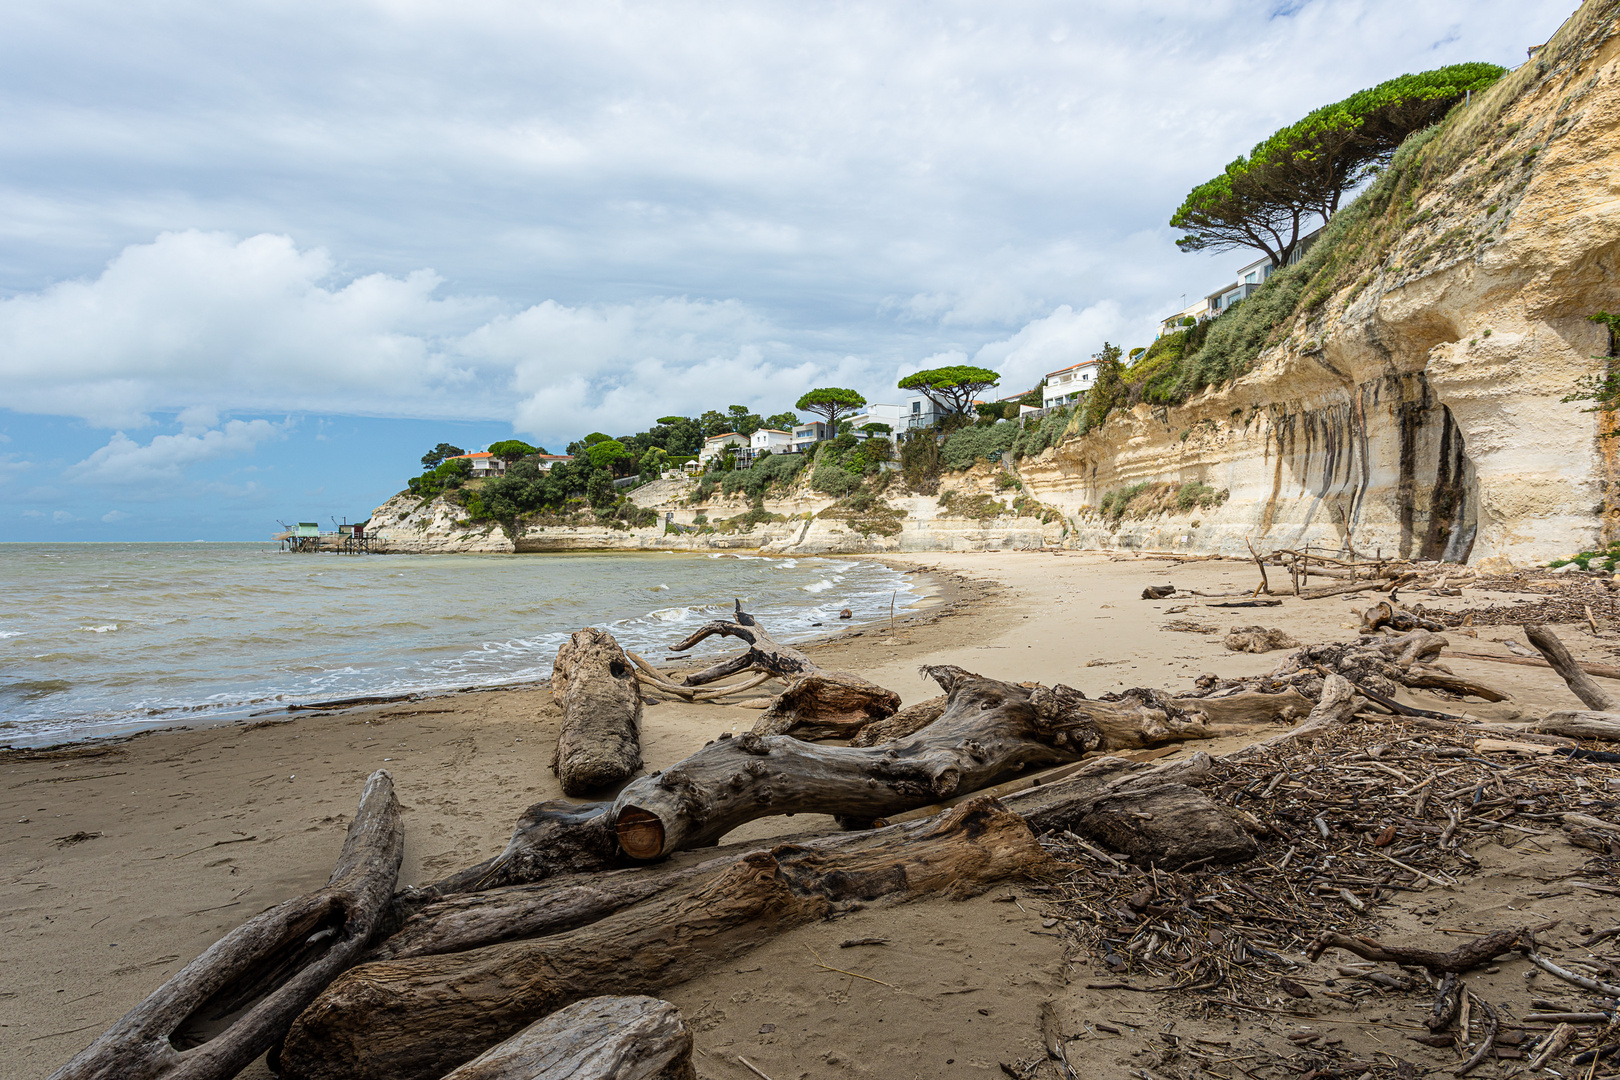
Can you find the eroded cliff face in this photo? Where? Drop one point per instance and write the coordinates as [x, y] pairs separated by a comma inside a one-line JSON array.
[[407, 525], [1419, 411]]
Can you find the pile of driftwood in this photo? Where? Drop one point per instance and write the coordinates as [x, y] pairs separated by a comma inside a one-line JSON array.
[[549, 951], [1366, 815]]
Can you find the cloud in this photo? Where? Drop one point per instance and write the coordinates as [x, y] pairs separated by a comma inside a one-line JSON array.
[[62, 517], [112, 517], [624, 211], [1051, 343], [128, 465]]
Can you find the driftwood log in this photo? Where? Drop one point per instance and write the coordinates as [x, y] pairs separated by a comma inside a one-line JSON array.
[[416, 1019], [1154, 814], [1581, 724], [1470, 954], [989, 730], [824, 704], [601, 1038], [600, 742], [236, 1000], [1575, 677]]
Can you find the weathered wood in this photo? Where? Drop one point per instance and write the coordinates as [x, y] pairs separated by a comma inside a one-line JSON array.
[[1339, 590], [1338, 704], [1148, 812], [416, 1019], [908, 721], [827, 705], [552, 837], [1249, 707], [1579, 683], [764, 653], [989, 730], [601, 1038], [1582, 725], [1470, 954], [595, 684], [238, 998], [1423, 677], [1602, 671]]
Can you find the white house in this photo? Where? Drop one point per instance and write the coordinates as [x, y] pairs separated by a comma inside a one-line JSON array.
[[807, 435], [484, 464], [763, 440], [1249, 280], [919, 412], [1066, 386], [546, 461], [716, 445]]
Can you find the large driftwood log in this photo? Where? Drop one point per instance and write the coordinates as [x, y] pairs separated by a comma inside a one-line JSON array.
[[989, 730], [1579, 682], [1580, 724], [1107, 799], [1151, 814], [236, 1000], [827, 705], [601, 1038], [600, 742], [416, 1019]]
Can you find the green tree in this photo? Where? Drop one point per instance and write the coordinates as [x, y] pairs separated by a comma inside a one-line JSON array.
[[680, 434], [1304, 170], [510, 450], [951, 389], [653, 463], [744, 422], [1109, 389], [714, 423], [783, 421], [831, 402], [600, 492], [433, 457], [610, 454]]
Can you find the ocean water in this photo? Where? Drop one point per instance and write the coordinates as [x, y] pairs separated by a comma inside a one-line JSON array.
[[100, 639]]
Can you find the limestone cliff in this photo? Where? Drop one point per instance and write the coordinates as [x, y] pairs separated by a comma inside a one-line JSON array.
[[406, 524], [1418, 409]]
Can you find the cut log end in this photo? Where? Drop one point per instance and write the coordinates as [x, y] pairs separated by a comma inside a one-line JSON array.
[[641, 834]]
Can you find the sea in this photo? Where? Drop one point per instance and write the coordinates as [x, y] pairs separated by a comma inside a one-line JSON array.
[[107, 639]]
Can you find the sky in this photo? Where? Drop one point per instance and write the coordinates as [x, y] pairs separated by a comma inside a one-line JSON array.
[[256, 258]]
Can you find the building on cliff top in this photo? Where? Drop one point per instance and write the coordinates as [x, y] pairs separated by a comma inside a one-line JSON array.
[[1065, 386], [1249, 279], [484, 464]]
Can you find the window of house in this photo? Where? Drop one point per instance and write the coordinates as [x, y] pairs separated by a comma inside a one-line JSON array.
[[1252, 277]]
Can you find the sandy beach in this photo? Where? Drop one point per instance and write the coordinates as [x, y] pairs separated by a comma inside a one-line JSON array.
[[121, 861]]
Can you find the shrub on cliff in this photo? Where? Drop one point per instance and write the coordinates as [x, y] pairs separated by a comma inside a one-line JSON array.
[[968, 445], [777, 469], [1038, 436]]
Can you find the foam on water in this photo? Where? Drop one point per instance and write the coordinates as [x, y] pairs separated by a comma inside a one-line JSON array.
[[120, 637]]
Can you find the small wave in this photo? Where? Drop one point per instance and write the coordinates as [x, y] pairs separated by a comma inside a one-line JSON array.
[[660, 588], [10, 633], [674, 614], [820, 586], [108, 628]]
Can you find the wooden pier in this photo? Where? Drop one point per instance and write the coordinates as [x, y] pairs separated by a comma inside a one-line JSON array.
[[306, 537]]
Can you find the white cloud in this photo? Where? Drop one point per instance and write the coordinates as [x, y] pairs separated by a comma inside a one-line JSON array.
[[112, 517], [62, 517], [127, 464], [622, 211], [1062, 338]]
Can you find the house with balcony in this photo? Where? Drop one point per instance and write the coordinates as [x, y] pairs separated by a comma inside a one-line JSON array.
[[1066, 386], [764, 440], [1249, 280], [546, 461], [807, 435], [715, 446]]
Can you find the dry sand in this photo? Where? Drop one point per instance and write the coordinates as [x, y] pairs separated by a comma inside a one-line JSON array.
[[120, 863]]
